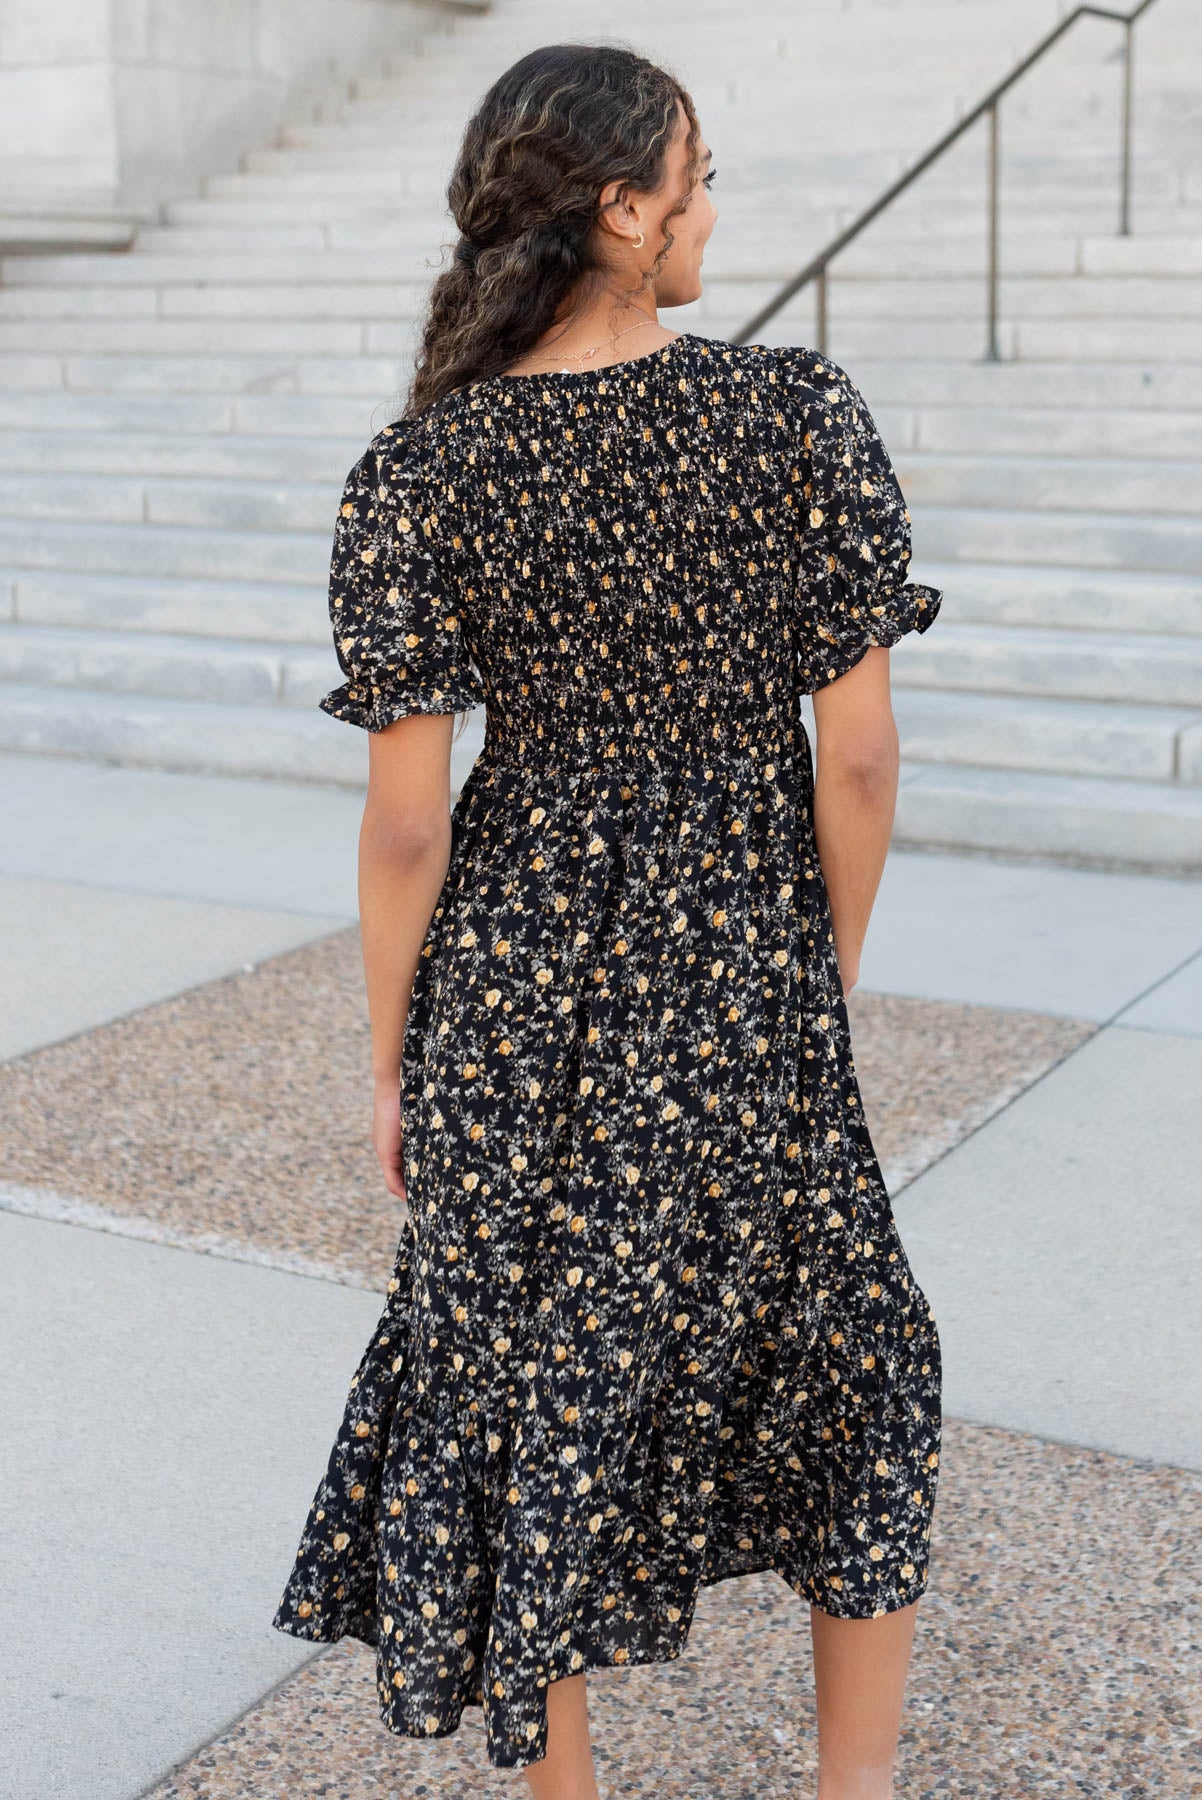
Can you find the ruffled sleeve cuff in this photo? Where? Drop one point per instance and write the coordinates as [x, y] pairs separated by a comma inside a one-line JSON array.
[[839, 641], [373, 709]]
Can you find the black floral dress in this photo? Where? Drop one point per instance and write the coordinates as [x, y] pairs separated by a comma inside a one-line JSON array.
[[650, 1324]]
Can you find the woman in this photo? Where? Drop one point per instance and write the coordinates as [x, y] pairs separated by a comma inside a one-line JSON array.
[[651, 1324]]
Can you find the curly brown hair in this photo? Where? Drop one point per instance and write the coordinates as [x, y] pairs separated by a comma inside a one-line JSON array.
[[550, 133]]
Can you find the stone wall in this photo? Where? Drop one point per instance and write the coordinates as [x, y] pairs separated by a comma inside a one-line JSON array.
[[109, 106]]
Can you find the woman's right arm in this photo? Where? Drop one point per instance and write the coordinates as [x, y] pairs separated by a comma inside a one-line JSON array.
[[404, 853], [855, 794]]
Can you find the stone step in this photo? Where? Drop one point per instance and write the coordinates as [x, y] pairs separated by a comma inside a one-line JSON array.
[[1078, 600], [1052, 483], [1056, 252], [1154, 340], [1140, 255], [1081, 540], [1088, 298], [1082, 819], [785, 226], [271, 482], [756, 184], [1051, 180], [381, 379], [242, 456], [1149, 669], [949, 428], [1084, 384], [372, 177], [29, 409], [162, 665], [1033, 341], [773, 80], [79, 301], [948, 244], [276, 415], [296, 744], [25, 374], [161, 270], [1050, 340], [1103, 431], [288, 557], [27, 229], [772, 251], [269, 506], [193, 337], [1023, 731], [419, 185], [374, 162], [246, 383], [1093, 213], [214, 237], [353, 124], [981, 695], [409, 220], [377, 377], [1080, 603], [1098, 821], [277, 612], [308, 150], [876, 296]]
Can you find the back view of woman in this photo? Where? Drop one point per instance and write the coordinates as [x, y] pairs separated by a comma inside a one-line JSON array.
[[651, 1324]]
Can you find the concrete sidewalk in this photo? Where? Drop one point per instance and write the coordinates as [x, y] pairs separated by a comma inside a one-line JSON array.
[[172, 1404]]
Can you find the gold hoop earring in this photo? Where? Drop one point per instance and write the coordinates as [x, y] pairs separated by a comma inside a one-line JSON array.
[[639, 245]]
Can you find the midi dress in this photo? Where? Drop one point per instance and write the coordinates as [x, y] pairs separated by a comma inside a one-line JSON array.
[[650, 1323]]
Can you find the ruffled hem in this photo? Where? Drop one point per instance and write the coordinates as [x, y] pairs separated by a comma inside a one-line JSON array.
[[354, 704], [413, 1548], [664, 1640]]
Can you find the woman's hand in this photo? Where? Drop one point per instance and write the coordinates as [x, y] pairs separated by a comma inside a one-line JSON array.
[[847, 960], [386, 1134]]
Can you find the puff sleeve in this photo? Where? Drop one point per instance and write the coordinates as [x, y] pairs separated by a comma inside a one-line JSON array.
[[853, 586], [397, 632]]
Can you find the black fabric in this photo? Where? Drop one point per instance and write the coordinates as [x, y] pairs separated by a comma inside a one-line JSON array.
[[651, 1323]]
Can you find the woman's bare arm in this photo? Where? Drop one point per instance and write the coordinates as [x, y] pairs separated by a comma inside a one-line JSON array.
[[855, 795], [404, 850]]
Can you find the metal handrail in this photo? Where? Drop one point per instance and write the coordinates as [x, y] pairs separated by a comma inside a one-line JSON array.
[[816, 268]]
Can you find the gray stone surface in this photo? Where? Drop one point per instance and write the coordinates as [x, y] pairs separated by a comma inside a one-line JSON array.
[[76, 955], [1059, 1248], [170, 1415], [1151, 826], [1074, 941], [1174, 1004], [284, 846]]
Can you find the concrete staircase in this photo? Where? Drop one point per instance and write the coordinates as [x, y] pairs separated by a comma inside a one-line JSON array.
[[175, 422], [1056, 709]]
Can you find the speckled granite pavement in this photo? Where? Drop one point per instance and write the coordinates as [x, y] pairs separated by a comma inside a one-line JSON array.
[[236, 1116], [1058, 1653], [1059, 1649]]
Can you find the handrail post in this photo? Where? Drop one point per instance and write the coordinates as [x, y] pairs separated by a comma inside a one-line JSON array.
[[992, 353], [816, 268], [1125, 198]]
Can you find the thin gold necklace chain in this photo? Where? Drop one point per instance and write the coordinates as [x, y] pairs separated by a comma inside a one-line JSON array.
[[580, 355]]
